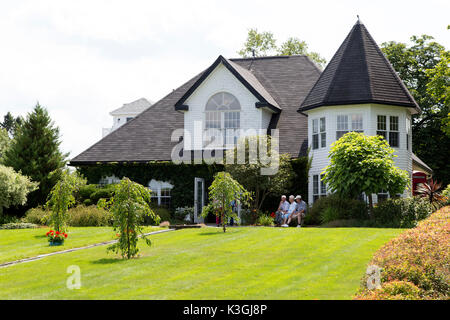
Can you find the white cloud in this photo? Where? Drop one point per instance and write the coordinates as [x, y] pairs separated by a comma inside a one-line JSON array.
[[82, 59]]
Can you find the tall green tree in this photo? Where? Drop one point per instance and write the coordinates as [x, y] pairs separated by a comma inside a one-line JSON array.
[[35, 152], [4, 142], [423, 66], [11, 124], [293, 46], [363, 164], [260, 44]]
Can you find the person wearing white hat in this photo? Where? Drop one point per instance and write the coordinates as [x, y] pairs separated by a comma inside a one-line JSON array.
[[299, 212]]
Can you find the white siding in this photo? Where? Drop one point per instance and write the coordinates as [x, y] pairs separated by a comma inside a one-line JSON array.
[[221, 79], [369, 113]]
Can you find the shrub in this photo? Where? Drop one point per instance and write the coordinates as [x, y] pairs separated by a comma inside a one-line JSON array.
[[85, 192], [329, 214], [18, 225], [394, 290], [91, 216], [162, 212], [37, 216], [7, 218], [333, 207], [446, 194], [182, 212], [102, 193], [265, 220], [418, 258], [401, 212]]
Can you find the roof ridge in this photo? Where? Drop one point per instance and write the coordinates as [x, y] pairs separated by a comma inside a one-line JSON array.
[[268, 57], [369, 78]]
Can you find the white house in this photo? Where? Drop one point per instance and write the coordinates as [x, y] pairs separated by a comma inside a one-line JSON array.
[[357, 91], [126, 113]]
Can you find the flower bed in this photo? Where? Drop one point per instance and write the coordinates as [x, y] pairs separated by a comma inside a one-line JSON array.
[[415, 265]]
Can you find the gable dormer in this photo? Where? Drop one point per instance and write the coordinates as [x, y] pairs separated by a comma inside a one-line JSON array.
[[227, 100]]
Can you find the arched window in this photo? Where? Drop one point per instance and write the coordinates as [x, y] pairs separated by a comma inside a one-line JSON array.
[[223, 118]]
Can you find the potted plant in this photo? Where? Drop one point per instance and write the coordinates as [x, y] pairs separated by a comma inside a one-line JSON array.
[[56, 238]]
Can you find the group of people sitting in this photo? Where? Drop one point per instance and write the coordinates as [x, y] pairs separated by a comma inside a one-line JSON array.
[[287, 211]]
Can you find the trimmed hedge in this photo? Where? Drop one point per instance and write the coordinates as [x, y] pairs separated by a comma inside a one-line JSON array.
[[415, 265], [330, 208]]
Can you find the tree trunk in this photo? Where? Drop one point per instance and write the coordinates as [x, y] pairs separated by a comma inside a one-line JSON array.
[[223, 214]]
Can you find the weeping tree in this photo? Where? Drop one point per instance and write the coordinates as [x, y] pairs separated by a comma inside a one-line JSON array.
[[61, 198], [129, 205], [363, 164], [223, 190]]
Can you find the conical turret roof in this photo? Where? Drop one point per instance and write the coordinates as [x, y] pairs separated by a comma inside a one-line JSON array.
[[359, 73]]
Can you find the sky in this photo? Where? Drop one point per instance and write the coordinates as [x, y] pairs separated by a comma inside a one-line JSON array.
[[83, 59]]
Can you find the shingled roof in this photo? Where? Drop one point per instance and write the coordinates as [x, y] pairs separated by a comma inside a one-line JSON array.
[[283, 81], [359, 73]]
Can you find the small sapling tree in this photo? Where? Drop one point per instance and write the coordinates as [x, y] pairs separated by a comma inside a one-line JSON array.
[[62, 198], [223, 190], [129, 205]]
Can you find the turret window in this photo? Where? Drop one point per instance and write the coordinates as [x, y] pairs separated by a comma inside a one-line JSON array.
[[319, 133], [392, 135], [346, 123]]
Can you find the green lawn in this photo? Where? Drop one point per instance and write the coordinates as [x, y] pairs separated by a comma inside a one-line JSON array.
[[244, 263], [25, 243]]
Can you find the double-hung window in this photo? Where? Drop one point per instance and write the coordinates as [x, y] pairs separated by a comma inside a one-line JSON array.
[[381, 126], [222, 120], [347, 123], [342, 126], [319, 135], [393, 131], [389, 129], [319, 187], [408, 132]]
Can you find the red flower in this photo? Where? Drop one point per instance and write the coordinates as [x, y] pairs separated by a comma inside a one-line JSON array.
[[65, 235], [272, 214]]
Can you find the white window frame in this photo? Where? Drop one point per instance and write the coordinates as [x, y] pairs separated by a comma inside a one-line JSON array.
[[224, 130], [319, 187], [156, 187], [345, 123], [388, 130]]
